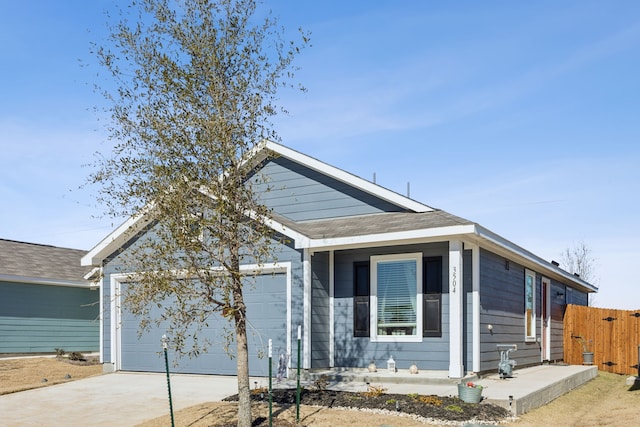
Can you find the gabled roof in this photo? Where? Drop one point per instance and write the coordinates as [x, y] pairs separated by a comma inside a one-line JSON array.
[[136, 223], [346, 177], [43, 264], [419, 223]]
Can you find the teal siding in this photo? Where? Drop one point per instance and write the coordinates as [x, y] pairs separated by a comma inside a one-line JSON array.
[[40, 318], [300, 193]]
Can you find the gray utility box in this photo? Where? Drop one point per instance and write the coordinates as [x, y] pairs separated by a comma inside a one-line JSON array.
[[505, 366]]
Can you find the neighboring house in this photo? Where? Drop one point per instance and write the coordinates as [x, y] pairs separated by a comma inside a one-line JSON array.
[[45, 301], [368, 274]]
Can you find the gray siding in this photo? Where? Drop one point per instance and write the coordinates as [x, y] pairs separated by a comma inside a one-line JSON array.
[[284, 253], [502, 305], [40, 318], [320, 317], [350, 351], [300, 193]]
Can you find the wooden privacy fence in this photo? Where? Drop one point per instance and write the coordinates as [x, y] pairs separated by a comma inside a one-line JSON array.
[[612, 335]]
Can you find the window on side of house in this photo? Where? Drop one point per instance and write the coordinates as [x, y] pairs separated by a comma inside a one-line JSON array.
[[396, 290], [361, 295], [530, 305], [432, 297]]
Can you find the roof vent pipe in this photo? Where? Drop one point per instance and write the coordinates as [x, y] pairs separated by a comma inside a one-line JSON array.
[[408, 189], [374, 177]]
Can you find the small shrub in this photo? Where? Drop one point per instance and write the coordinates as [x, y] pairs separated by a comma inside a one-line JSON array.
[[430, 400], [59, 352], [391, 402], [454, 408], [259, 390], [321, 383], [413, 396], [74, 355], [374, 391]]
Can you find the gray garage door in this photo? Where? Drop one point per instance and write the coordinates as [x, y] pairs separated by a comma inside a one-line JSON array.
[[266, 312]]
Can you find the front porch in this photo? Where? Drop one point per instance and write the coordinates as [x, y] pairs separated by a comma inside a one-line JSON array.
[[529, 388]]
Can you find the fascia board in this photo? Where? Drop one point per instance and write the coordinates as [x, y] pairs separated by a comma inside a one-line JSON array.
[[116, 239], [388, 239], [348, 178], [300, 240], [533, 259], [44, 281]]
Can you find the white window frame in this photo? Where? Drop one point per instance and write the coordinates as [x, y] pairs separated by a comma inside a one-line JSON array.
[[373, 327], [528, 337]]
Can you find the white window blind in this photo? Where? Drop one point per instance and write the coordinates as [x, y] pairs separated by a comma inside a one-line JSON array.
[[397, 297]]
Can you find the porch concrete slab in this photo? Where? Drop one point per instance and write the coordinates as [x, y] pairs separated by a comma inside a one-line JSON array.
[[533, 387], [529, 388], [127, 399]]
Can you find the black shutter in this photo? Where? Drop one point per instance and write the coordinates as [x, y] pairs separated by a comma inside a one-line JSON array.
[[432, 297], [361, 298]]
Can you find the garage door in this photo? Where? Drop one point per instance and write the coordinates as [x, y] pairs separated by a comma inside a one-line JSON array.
[[266, 313]]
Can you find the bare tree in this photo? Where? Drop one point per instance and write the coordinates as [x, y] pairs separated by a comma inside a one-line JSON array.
[[579, 259], [195, 82]]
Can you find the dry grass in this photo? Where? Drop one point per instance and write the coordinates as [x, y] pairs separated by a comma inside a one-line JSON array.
[[27, 373], [605, 401]]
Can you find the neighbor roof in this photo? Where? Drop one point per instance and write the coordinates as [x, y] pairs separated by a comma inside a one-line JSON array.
[[37, 263]]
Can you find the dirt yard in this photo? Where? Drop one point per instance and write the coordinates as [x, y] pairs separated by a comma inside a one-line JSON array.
[[27, 373], [605, 401]]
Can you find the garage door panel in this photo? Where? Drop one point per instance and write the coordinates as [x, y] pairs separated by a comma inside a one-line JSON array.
[[266, 313]]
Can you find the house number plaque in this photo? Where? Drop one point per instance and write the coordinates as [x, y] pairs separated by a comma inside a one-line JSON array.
[[454, 275]]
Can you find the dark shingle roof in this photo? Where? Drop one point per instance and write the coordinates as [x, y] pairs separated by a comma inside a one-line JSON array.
[[373, 224], [41, 261]]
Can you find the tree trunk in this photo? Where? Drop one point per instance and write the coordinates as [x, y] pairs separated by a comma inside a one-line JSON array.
[[244, 396]]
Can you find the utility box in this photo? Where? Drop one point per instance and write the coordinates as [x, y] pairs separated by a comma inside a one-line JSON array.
[[505, 366]]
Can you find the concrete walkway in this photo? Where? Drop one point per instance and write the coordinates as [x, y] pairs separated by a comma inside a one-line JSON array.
[[127, 399]]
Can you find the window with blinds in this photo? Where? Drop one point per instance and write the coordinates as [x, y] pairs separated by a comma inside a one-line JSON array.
[[397, 279]]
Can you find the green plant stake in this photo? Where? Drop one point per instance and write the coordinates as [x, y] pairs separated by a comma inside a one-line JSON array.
[[298, 378], [166, 364], [270, 399]]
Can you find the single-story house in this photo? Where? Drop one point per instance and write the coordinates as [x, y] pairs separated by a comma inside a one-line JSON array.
[[367, 274], [45, 300]]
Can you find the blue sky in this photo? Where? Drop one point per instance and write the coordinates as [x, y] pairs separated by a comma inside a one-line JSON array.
[[521, 116]]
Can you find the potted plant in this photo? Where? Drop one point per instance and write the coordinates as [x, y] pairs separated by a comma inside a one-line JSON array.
[[587, 353], [470, 392]]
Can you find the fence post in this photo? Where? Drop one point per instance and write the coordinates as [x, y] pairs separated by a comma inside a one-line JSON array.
[[165, 342]]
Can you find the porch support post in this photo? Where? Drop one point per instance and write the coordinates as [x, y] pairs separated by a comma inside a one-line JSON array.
[[475, 298], [456, 306], [332, 358], [306, 310]]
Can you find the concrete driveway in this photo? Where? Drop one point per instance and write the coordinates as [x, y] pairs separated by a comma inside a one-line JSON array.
[[119, 399]]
